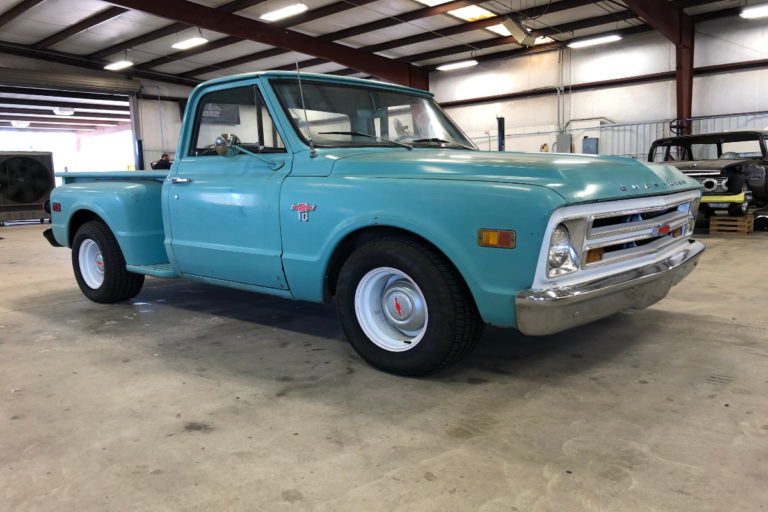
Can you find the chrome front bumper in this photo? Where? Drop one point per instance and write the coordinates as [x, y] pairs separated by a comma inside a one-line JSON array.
[[551, 311]]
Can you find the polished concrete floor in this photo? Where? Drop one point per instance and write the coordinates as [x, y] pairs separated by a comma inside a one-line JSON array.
[[197, 398]]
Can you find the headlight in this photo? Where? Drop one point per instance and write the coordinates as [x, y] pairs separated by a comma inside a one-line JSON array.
[[562, 257]]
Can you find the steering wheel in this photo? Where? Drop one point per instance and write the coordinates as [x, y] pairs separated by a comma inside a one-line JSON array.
[[678, 126]]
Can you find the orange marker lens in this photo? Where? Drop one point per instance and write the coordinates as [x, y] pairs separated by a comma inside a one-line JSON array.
[[503, 239], [594, 255]]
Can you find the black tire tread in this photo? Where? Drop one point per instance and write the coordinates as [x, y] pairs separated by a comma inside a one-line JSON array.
[[119, 284], [467, 322]]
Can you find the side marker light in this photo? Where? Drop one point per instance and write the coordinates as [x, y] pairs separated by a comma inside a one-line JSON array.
[[499, 238]]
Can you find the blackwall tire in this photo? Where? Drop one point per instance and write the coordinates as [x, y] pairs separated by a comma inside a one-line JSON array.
[[100, 267], [404, 308]]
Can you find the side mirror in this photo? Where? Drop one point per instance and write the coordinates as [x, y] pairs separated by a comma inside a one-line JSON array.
[[226, 144]]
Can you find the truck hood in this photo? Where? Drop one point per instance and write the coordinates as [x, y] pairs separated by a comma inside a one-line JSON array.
[[577, 178]]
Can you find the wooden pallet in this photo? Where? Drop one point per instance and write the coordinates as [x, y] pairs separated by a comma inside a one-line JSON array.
[[731, 225]]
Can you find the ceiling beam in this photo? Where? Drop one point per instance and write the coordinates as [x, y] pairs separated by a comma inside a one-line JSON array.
[[88, 63], [92, 21], [500, 41], [333, 36], [185, 54], [237, 5], [260, 32], [17, 10], [307, 16], [388, 22], [522, 15], [391, 21]]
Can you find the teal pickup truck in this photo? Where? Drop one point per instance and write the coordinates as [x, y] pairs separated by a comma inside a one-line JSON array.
[[325, 188]]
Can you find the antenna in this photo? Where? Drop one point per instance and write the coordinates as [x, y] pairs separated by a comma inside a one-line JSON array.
[[312, 151]]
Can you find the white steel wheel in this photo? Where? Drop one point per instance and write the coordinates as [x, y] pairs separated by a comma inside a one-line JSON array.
[[91, 263], [391, 309], [99, 265]]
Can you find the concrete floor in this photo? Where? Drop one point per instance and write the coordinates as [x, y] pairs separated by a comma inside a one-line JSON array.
[[198, 398]]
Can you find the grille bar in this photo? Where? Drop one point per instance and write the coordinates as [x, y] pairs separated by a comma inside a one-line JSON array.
[[632, 233]]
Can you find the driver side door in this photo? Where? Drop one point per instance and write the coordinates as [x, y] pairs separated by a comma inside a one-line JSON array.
[[223, 210]]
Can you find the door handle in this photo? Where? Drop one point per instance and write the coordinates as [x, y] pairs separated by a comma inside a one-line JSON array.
[[180, 180]]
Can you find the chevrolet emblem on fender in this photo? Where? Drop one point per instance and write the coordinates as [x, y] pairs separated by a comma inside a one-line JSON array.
[[303, 210]]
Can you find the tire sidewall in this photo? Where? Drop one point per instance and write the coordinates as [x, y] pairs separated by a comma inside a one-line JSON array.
[[95, 232], [434, 346]]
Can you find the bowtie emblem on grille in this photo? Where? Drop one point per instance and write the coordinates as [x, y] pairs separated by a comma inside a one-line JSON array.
[[303, 210]]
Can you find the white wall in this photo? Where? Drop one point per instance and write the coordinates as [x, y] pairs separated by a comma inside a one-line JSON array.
[[717, 42]]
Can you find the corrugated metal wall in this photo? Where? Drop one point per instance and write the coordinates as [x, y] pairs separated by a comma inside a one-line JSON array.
[[632, 140]]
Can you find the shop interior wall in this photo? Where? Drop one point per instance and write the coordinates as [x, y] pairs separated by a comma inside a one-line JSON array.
[[720, 41]]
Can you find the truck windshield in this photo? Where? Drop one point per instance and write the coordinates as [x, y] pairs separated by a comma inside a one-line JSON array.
[[353, 116]]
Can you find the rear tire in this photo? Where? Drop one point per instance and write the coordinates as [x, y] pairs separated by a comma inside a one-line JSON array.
[[99, 265], [404, 308]]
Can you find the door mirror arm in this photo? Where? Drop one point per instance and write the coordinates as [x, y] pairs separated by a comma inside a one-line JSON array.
[[228, 144]]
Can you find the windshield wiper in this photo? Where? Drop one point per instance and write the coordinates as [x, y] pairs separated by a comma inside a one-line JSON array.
[[361, 134], [442, 141]]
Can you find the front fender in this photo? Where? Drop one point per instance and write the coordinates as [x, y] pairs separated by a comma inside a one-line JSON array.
[[446, 213], [131, 210]]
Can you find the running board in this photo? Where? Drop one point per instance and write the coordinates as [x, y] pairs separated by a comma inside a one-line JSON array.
[[154, 270]]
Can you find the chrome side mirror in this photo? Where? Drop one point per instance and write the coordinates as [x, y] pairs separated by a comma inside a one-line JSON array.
[[226, 144]]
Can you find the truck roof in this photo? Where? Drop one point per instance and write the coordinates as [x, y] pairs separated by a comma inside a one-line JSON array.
[[714, 138], [316, 77]]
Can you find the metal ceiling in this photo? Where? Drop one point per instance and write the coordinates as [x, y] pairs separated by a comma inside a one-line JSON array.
[[395, 40]]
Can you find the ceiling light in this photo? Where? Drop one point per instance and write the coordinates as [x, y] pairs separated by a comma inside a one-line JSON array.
[[285, 12], [457, 65], [544, 40], [594, 41], [189, 43], [472, 13], [63, 111], [121, 64], [20, 124], [758, 11]]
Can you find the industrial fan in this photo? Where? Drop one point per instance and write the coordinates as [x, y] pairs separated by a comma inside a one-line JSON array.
[[26, 181]]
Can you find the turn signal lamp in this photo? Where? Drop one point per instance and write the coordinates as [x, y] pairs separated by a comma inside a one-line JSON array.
[[594, 255], [499, 238]]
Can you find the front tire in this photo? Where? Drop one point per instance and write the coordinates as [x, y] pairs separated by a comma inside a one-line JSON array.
[[100, 267], [404, 308]]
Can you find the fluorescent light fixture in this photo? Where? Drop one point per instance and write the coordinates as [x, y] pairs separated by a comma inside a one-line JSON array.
[[501, 30], [472, 13], [457, 65], [63, 111], [285, 12], [121, 64], [189, 43], [594, 41], [758, 11], [544, 40], [20, 124]]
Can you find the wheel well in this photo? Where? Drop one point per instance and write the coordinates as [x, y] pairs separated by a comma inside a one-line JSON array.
[[78, 219], [362, 236]]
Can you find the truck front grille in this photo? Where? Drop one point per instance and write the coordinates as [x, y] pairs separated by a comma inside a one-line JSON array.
[[624, 234]]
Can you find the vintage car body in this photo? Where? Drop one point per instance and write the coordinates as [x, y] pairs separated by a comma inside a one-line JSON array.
[[730, 166], [420, 240]]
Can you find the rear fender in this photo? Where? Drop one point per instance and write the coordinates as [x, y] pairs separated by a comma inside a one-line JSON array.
[[131, 210]]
